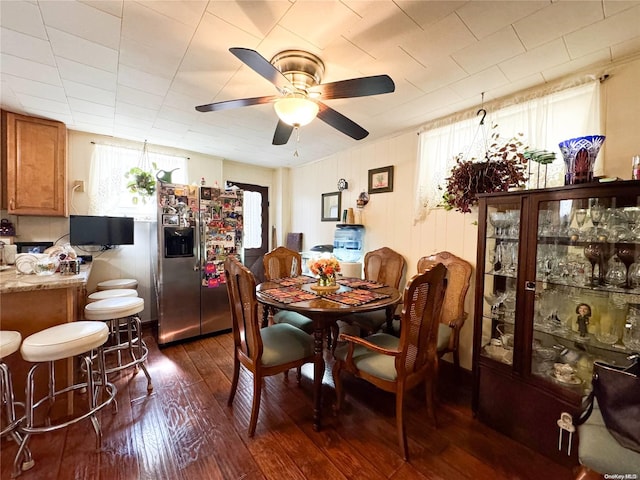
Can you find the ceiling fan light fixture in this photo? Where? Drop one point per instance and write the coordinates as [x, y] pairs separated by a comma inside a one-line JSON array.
[[295, 110]]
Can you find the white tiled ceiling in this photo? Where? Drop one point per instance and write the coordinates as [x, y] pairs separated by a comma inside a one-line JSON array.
[[137, 69]]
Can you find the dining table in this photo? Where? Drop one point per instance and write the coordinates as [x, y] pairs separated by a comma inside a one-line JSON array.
[[324, 308]]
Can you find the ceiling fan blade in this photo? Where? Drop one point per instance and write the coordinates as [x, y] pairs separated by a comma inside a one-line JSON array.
[[262, 66], [341, 123], [355, 87], [241, 102], [282, 133]]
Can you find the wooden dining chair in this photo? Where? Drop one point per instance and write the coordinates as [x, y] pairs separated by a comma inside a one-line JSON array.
[[263, 351], [383, 265], [399, 364], [282, 262], [452, 316]]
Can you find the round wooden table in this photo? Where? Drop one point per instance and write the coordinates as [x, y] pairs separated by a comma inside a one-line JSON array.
[[324, 313]]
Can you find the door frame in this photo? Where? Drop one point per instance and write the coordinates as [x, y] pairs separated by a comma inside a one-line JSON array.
[[253, 256]]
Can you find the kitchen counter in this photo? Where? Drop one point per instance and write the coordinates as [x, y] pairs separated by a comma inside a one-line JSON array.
[[12, 281], [31, 303]]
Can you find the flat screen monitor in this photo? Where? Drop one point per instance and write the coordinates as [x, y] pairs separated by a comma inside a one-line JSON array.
[[105, 231]]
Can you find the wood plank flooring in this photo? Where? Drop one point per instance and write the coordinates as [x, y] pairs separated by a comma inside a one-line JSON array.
[[185, 431]]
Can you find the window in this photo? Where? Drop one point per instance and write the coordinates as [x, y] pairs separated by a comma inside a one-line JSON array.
[[108, 192], [252, 211], [545, 121]]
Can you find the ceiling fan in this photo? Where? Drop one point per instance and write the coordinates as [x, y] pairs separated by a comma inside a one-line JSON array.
[[297, 75]]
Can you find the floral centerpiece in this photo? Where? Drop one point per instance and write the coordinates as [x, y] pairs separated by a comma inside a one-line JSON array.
[[502, 168], [325, 268]]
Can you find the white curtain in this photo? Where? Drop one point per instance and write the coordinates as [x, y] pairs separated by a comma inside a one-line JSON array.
[[252, 211], [108, 193], [544, 120]]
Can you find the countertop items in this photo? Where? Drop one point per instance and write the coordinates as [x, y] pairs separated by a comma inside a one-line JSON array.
[[12, 281]]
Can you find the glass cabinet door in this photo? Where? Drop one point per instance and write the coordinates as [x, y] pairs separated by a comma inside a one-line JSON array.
[[587, 287], [500, 280]]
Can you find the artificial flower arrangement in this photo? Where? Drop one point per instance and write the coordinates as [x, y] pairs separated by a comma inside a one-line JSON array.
[[502, 168], [325, 268]]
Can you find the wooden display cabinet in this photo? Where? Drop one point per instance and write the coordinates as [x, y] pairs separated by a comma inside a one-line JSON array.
[[534, 345], [34, 165]]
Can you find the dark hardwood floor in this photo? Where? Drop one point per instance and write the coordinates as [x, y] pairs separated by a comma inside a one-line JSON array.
[[184, 430]]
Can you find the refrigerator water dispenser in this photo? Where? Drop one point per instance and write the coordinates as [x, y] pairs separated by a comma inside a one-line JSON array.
[[178, 242]]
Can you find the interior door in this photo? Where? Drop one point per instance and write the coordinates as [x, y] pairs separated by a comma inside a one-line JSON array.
[[254, 252]]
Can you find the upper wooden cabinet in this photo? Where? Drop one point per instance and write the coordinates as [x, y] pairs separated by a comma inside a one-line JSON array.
[[34, 165]]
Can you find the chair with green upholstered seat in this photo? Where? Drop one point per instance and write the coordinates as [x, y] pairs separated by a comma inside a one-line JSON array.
[[400, 364], [280, 263], [386, 266], [599, 451], [263, 351], [452, 316]]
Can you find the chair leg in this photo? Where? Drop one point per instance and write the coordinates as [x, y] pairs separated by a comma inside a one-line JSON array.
[[299, 375], [430, 393], [337, 381], [456, 361], [234, 380], [335, 333], [402, 435], [255, 407]]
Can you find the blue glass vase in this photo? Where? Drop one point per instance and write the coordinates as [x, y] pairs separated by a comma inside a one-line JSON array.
[[579, 157]]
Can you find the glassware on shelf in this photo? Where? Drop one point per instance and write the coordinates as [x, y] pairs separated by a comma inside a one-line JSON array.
[[616, 275], [581, 215], [596, 212], [595, 254], [631, 334], [627, 255], [612, 318], [500, 222], [634, 276], [494, 300]]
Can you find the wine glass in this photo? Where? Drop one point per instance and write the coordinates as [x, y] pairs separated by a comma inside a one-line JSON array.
[[627, 255], [616, 275], [597, 215], [634, 276], [631, 335], [581, 217], [595, 254], [494, 300]]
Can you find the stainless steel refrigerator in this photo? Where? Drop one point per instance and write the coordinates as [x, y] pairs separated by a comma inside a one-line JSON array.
[[198, 227]]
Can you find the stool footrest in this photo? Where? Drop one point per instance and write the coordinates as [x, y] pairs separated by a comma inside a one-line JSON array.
[[110, 389]]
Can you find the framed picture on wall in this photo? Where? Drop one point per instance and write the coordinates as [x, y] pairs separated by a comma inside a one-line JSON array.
[[331, 207], [381, 180]]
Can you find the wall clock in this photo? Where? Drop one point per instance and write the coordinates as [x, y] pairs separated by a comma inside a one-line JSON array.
[[342, 184]]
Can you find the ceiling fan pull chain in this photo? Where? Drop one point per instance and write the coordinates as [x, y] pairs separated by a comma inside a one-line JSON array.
[[297, 129]]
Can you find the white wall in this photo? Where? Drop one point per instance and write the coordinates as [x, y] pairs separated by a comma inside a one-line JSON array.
[[388, 218]]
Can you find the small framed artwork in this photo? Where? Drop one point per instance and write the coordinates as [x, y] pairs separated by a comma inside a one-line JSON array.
[[331, 207], [205, 193], [381, 180], [170, 220]]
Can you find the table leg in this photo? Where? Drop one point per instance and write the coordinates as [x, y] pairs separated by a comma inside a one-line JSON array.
[[318, 375]]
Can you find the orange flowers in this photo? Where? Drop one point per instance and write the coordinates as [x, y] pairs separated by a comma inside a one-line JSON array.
[[324, 267]]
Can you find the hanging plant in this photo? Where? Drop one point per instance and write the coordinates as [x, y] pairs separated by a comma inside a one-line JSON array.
[[502, 168], [142, 183]]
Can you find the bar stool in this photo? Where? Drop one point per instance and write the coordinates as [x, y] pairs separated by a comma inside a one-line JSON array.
[[116, 292], [121, 314], [62, 342], [117, 283], [10, 343]]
